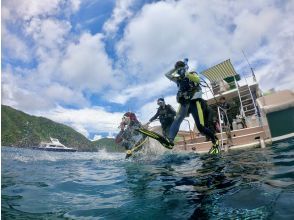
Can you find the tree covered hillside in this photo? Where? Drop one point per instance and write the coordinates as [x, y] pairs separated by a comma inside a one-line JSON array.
[[22, 130]]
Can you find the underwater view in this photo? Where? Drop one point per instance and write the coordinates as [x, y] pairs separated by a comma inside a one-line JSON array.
[[241, 184]]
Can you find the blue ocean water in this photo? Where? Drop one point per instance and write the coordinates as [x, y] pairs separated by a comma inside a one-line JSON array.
[[241, 184]]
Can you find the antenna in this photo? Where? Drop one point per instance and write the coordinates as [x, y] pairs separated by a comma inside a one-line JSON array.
[[253, 75]]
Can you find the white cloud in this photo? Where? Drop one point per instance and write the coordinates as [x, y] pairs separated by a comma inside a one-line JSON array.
[[40, 38], [17, 92], [110, 135], [23, 90], [37, 22], [48, 33], [142, 91], [120, 13], [252, 28], [86, 120], [41, 33], [79, 128], [182, 31], [63, 66], [277, 55], [75, 5], [65, 95], [86, 64], [166, 31], [97, 137], [16, 48], [26, 10]]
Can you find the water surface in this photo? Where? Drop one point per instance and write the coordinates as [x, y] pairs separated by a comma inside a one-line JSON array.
[[242, 184]]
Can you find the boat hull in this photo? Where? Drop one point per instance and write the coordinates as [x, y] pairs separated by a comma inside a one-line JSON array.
[[56, 150]]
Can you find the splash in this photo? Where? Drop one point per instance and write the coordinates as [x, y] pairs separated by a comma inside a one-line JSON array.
[[103, 154], [30, 155]]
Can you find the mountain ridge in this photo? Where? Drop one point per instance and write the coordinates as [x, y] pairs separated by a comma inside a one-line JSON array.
[[20, 129]]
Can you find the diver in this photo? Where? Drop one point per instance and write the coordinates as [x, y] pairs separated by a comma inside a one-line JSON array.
[[189, 96], [224, 112], [128, 136], [166, 115]]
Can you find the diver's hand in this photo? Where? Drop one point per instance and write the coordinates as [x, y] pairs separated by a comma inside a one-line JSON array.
[[122, 126]]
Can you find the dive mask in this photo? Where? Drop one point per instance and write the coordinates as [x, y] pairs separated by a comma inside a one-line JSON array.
[[126, 119], [160, 102], [181, 72]]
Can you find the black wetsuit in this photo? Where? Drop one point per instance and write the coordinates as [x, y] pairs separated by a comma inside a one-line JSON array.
[[189, 104], [129, 136], [166, 115]]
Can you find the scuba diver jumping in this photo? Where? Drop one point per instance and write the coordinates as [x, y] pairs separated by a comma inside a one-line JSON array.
[[166, 115], [128, 135], [189, 96]]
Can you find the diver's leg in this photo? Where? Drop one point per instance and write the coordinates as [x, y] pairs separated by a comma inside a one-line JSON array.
[[164, 130], [167, 129], [174, 129], [208, 122], [197, 113]]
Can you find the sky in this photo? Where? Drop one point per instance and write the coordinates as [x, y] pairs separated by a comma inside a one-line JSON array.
[[84, 63]]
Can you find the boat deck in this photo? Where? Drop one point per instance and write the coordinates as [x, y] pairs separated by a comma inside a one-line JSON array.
[[239, 138]]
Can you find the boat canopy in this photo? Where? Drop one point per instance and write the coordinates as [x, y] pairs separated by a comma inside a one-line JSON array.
[[220, 71]]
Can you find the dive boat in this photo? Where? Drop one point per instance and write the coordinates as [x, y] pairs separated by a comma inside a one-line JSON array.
[[258, 119], [54, 145]]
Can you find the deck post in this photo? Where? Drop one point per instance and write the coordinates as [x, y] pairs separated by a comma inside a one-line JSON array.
[[262, 143], [221, 127]]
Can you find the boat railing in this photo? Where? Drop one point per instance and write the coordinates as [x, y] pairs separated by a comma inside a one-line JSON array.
[[227, 126], [191, 132], [246, 79], [227, 86], [220, 125]]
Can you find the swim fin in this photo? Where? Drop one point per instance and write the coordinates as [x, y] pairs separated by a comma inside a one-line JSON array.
[[136, 148], [215, 148], [162, 140]]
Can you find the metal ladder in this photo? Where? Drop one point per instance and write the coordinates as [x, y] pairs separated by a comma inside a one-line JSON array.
[[226, 128], [246, 98]]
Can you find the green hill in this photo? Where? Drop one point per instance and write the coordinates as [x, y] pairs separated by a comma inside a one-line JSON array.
[[22, 130]]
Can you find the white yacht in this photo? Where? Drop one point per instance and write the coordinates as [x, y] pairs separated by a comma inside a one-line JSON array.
[[54, 145]]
